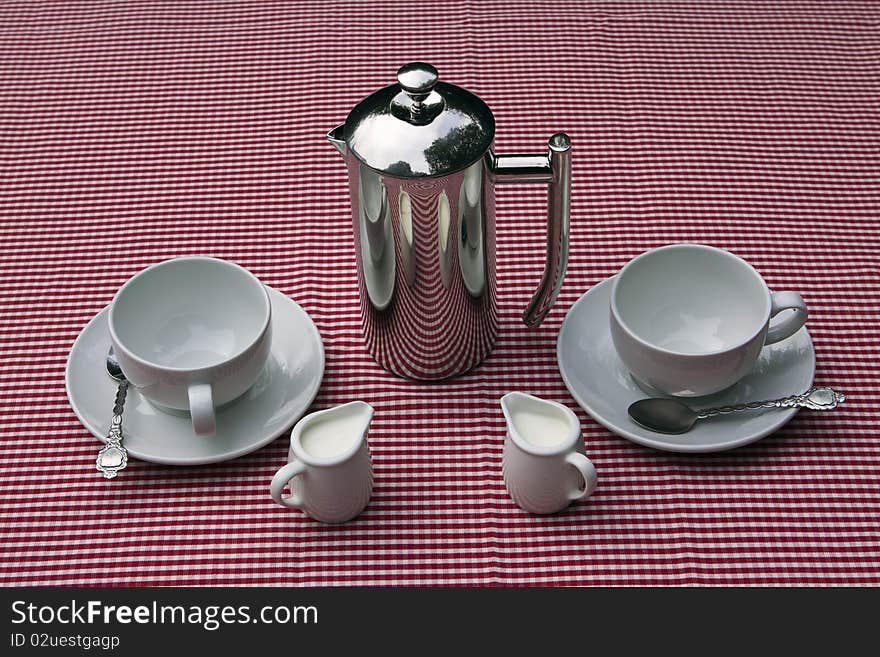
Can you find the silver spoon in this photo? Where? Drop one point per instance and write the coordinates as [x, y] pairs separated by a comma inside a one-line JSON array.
[[113, 457], [672, 416]]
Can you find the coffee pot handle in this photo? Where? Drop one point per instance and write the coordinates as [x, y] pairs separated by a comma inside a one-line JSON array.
[[554, 168]]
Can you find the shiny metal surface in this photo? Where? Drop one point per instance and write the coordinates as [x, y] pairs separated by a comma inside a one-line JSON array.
[[674, 417], [555, 169], [419, 127], [113, 457], [426, 269], [113, 368], [422, 192], [337, 138], [417, 79], [417, 104]]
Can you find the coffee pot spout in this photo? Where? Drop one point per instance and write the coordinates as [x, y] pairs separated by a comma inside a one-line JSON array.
[[337, 137]]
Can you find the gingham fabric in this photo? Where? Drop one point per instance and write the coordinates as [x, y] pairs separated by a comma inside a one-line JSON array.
[[137, 131]]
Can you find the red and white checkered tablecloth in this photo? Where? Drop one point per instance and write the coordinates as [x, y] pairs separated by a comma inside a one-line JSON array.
[[131, 132]]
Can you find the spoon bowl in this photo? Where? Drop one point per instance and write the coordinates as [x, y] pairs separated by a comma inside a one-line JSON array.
[[663, 415], [113, 368]]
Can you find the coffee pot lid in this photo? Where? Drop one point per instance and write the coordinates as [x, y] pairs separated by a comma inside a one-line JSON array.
[[420, 126]]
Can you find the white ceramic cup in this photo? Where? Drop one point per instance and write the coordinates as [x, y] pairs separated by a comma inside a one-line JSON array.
[[544, 464], [690, 319], [329, 468], [192, 334]]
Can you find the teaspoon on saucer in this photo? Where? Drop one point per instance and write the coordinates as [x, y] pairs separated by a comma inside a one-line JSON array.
[[113, 457], [674, 417]]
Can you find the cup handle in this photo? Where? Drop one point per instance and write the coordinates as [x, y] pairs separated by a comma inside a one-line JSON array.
[[281, 479], [201, 408], [588, 472], [780, 301]]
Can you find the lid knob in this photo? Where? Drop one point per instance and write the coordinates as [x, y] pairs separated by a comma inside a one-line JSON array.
[[417, 79]]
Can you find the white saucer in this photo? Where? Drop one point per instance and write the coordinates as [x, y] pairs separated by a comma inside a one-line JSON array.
[[281, 395], [604, 388]]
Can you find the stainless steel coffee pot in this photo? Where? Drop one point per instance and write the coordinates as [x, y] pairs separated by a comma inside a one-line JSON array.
[[422, 176]]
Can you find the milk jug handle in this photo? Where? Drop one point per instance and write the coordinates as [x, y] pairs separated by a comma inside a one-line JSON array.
[[286, 474], [554, 168], [588, 471]]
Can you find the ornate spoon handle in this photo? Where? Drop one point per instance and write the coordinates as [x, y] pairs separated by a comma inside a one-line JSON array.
[[114, 457], [817, 399]]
